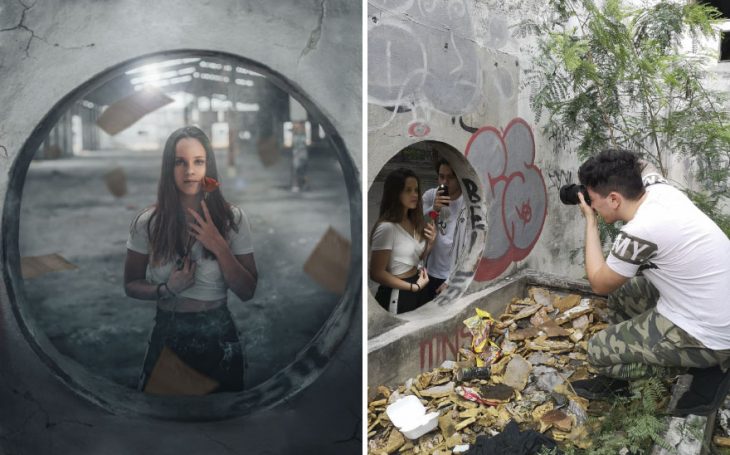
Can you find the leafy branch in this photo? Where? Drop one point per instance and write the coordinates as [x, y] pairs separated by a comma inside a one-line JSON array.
[[614, 76]]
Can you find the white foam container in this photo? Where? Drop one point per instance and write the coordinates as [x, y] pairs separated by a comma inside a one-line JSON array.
[[409, 416]]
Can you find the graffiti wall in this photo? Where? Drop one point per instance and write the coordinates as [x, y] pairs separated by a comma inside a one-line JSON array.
[[505, 161], [451, 71]]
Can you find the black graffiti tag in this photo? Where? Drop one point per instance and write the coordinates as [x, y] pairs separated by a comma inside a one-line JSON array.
[[472, 190], [560, 177]]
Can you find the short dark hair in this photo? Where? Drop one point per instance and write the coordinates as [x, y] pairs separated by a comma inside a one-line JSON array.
[[613, 170], [440, 162]]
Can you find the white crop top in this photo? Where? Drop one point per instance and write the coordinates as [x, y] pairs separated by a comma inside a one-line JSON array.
[[209, 284], [405, 250]]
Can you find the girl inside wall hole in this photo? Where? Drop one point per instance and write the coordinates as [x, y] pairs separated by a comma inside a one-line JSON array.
[[400, 240], [184, 253]]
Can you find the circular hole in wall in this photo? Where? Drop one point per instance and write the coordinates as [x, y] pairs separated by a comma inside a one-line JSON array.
[[461, 229], [93, 164]]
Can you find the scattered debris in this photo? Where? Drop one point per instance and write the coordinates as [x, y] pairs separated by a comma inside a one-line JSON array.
[[518, 369]]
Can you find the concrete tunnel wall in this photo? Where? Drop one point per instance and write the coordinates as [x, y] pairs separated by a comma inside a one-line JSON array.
[[454, 73], [48, 50]]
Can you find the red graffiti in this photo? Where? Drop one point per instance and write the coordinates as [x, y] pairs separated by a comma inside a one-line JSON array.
[[438, 348], [516, 194], [525, 213], [418, 129]]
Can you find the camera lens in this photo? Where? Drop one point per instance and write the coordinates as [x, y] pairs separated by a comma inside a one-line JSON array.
[[569, 194], [444, 190]]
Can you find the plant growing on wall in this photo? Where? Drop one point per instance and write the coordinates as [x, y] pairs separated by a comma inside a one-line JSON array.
[[632, 77]]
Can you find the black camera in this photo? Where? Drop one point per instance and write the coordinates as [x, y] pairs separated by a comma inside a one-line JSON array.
[[444, 189], [569, 194]]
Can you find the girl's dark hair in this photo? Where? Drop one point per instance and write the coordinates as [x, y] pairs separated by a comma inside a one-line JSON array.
[[613, 170], [167, 229], [391, 208]]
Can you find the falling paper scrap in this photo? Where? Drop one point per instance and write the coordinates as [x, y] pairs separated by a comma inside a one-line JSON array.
[[329, 262], [116, 181], [172, 376], [125, 112], [268, 151], [35, 266]]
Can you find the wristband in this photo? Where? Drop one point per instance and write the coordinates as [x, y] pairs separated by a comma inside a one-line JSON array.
[[418, 286]]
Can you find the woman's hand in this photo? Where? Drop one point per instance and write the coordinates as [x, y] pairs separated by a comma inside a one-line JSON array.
[[182, 279], [205, 232], [429, 232], [422, 279]]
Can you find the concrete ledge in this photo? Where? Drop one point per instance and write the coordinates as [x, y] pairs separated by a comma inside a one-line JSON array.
[[434, 333]]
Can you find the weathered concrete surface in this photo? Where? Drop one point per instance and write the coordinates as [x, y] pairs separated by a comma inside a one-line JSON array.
[[47, 50]]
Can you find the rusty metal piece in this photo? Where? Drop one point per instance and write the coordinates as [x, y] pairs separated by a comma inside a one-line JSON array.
[[498, 393], [558, 419]]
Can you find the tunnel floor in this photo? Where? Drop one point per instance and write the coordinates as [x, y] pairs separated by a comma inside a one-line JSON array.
[[67, 209]]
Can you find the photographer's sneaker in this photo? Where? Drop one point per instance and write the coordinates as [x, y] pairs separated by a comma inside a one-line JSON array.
[[600, 387], [707, 392]]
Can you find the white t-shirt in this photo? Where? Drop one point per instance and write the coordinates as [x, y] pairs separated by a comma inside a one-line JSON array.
[[685, 256], [405, 250], [209, 284], [449, 236]]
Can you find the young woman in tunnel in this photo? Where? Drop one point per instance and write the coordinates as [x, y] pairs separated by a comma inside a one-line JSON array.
[[184, 253], [400, 239]]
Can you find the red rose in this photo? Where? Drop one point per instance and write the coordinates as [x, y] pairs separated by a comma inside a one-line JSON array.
[[210, 184]]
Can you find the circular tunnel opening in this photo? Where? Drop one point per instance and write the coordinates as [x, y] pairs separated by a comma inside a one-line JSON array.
[[467, 228], [93, 162]]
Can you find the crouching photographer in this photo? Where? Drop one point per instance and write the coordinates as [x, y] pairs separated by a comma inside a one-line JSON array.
[[668, 280]]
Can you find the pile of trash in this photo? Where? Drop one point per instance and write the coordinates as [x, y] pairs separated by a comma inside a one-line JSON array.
[[721, 436], [517, 368]]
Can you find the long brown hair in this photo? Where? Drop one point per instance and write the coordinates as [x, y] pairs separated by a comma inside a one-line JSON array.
[[167, 222], [391, 208]]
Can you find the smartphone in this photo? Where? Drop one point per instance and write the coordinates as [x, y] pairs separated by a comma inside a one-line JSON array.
[[444, 189]]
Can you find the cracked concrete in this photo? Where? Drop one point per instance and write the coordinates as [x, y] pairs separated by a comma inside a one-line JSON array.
[[22, 26], [316, 34], [53, 418]]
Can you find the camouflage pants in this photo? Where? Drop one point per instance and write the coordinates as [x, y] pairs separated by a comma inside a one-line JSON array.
[[641, 342]]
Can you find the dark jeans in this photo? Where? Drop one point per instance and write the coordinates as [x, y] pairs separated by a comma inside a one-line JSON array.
[[407, 301], [433, 284], [206, 341]]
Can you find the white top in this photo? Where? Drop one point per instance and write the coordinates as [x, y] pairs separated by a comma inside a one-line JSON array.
[[449, 231], [405, 251], [685, 256], [209, 284]]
